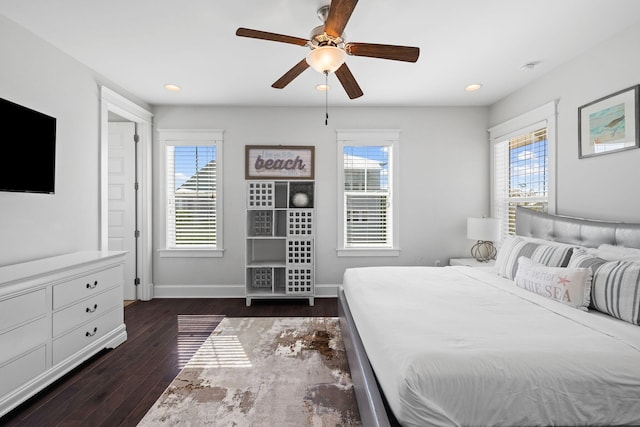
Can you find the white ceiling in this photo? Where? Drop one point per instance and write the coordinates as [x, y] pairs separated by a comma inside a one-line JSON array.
[[143, 44]]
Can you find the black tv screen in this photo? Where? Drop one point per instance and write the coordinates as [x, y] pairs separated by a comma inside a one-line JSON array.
[[27, 149]]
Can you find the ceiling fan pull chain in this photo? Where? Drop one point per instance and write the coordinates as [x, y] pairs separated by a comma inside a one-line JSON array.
[[326, 98]]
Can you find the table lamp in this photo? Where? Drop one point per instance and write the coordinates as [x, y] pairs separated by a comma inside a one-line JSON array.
[[485, 231]]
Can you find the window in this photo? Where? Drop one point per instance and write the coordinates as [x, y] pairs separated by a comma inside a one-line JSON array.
[[523, 165], [367, 161], [193, 198], [522, 175]]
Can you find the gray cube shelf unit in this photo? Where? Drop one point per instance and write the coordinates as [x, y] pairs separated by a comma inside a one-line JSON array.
[[280, 239]]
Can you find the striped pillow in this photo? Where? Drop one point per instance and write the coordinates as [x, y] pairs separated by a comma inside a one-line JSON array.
[[514, 247], [582, 258], [615, 290]]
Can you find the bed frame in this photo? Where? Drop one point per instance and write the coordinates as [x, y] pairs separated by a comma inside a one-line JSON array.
[[579, 231]]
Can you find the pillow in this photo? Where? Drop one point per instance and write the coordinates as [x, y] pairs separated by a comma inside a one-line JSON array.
[[616, 290], [547, 242], [514, 247], [582, 257], [570, 286], [617, 253]]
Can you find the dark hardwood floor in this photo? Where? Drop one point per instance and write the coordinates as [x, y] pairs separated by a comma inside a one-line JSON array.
[[117, 387]]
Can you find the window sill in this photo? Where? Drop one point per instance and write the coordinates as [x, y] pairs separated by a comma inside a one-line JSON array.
[[362, 252], [191, 253]]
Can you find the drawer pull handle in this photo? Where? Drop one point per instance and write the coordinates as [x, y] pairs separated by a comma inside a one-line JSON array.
[[90, 334], [90, 286], [92, 310]]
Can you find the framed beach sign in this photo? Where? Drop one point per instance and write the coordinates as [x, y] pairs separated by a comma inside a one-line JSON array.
[[609, 124], [279, 162]]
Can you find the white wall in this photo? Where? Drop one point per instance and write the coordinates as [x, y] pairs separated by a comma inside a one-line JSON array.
[[35, 74], [601, 187], [444, 160], [443, 178]]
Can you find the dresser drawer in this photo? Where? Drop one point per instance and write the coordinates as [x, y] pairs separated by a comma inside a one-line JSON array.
[[19, 309], [23, 338], [85, 310], [86, 286], [77, 339], [23, 369]]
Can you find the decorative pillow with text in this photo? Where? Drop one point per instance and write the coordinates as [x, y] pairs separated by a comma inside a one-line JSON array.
[[570, 286]]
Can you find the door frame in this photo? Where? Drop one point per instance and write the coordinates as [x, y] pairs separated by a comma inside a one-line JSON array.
[[111, 101]]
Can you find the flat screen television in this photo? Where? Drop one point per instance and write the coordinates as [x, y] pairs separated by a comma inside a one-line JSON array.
[[27, 149]]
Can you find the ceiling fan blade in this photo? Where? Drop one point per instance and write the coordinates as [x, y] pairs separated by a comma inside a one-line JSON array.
[[339, 13], [383, 51], [348, 82], [263, 35], [291, 74]]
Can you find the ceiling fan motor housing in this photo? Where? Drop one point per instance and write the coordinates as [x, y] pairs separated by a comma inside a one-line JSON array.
[[319, 38]]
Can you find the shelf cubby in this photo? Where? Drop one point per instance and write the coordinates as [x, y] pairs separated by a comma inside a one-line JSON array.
[[280, 230]]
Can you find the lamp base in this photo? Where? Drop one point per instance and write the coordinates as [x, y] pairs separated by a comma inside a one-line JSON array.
[[483, 251]]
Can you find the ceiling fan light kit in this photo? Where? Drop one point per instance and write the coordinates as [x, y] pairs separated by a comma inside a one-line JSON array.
[[326, 58], [328, 50]]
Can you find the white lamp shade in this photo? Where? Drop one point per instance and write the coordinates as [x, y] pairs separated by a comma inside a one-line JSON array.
[[485, 229], [326, 58]]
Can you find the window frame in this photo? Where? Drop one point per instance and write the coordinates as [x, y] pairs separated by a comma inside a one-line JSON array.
[[543, 116], [356, 137], [191, 137]]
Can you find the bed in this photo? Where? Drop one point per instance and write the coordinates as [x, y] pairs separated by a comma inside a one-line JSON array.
[[483, 346]]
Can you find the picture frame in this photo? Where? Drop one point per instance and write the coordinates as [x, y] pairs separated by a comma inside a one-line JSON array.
[[279, 162], [609, 124]]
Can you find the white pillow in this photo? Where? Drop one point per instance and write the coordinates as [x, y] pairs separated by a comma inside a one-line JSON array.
[[570, 286], [618, 253], [514, 247]]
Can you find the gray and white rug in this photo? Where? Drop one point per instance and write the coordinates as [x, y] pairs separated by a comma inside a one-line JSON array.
[[263, 372]]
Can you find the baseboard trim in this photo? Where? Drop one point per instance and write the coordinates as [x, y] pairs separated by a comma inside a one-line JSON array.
[[223, 291]]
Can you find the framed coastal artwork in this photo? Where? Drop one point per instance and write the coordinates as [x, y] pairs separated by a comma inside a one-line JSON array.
[[279, 162], [609, 124]]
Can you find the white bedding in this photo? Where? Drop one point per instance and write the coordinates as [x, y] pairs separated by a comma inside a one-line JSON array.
[[463, 346]]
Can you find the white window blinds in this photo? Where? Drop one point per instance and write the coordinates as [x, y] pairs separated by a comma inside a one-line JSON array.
[[367, 196], [191, 188], [521, 175]]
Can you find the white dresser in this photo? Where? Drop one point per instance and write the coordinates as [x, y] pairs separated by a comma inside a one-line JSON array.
[[55, 313]]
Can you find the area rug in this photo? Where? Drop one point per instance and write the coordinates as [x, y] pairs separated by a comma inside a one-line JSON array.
[[256, 371]]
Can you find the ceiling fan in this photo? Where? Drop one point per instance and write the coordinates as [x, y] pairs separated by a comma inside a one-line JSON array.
[[329, 49]]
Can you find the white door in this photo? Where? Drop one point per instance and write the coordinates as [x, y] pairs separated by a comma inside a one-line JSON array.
[[122, 205]]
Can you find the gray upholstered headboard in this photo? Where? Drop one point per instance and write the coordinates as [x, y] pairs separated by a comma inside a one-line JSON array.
[[579, 231]]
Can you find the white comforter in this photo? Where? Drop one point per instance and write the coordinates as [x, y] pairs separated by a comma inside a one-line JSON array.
[[463, 346]]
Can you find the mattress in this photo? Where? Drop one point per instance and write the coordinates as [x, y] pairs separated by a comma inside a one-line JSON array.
[[463, 346]]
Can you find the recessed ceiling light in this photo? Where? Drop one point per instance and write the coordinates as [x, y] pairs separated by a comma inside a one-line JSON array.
[[172, 88], [473, 87], [323, 87]]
